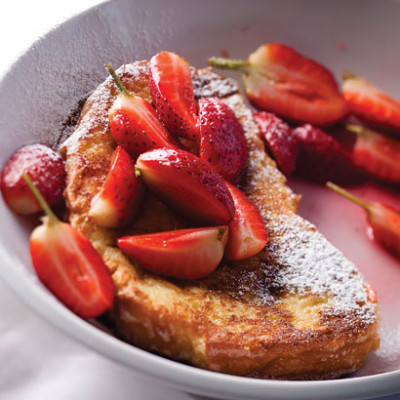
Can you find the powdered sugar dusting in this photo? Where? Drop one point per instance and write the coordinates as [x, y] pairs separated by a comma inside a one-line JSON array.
[[307, 262], [209, 84]]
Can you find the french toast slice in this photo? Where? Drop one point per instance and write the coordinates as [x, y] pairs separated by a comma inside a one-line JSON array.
[[297, 310]]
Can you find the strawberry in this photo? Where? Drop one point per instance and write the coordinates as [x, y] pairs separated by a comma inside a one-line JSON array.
[[46, 168], [171, 88], [279, 79], [321, 158], [377, 154], [222, 141], [134, 123], [247, 233], [187, 184], [277, 135], [184, 254], [369, 103], [68, 265], [120, 195], [383, 219]]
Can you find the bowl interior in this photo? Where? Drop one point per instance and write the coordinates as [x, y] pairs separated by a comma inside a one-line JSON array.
[[42, 89]]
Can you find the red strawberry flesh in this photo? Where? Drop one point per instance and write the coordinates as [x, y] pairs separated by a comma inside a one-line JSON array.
[[277, 135], [320, 158], [377, 154], [370, 104], [247, 232], [383, 219], [187, 184], [135, 126], [280, 80], [46, 169], [185, 254], [171, 88], [120, 195], [69, 266], [222, 140]]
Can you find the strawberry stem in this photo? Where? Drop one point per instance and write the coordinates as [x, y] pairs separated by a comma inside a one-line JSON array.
[[117, 81], [224, 63], [358, 129], [138, 173], [348, 75], [221, 232], [53, 218], [366, 206]]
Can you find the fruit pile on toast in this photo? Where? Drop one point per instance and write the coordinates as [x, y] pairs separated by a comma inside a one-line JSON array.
[[183, 229]]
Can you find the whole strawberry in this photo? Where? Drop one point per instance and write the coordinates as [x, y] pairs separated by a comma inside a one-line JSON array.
[[222, 141], [46, 169], [277, 135]]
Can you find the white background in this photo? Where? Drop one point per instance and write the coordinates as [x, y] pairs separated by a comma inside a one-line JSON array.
[[38, 362]]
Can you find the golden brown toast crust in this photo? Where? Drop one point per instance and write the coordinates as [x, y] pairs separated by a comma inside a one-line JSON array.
[[298, 310]]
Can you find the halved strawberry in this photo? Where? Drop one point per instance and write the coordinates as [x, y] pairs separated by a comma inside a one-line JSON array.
[[47, 171], [171, 88], [187, 184], [383, 219], [222, 141], [320, 157], [280, 142], [184, 254], [69, 266], [120, 195], [377, 154], [134, 123], [281, 80], [247, 232], [369, 104]]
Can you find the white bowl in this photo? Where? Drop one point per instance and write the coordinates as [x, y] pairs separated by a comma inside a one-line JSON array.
[[41, 89]]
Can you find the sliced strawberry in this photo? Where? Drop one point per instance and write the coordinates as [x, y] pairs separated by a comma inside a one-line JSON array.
[[134, 123], [377, 154], [120, 195], [184, 254], [171, 88], [69, 266], [222, 141], [247, 233], [320, 158], [187, 184], [281, 80], [369, 104], [280, 142], [47, 171], [383, 219]]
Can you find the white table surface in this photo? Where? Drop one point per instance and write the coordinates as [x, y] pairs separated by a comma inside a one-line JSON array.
[[39, 362]]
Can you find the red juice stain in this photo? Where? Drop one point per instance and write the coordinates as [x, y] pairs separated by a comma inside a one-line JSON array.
[[340, 45], [225, 53]]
